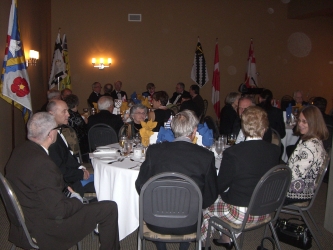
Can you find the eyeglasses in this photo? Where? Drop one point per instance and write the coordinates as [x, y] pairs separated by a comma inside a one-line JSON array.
[[56, 128], [302, 121], [140, 113]]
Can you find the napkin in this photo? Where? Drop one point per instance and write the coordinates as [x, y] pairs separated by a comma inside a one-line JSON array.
[[146, 103], [134, 98], [289, 110], [146, 131], [206, 133], [124, 107], [165, 134]]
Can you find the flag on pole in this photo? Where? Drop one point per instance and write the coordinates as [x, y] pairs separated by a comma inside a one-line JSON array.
[[251, 80], [199, 68], [66, 82], [58, 71], [216, 82], [15, 84]]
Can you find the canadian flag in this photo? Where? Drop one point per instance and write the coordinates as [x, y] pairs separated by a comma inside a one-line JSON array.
[[251, 80], [216, 83]]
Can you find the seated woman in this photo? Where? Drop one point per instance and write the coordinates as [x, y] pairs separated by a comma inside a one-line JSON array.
[[241, 168], [308, 156], [229, 113], [138, 113], [161, 114], [76, 121]]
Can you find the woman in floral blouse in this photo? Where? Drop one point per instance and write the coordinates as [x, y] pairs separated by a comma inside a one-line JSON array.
[[309, 155]]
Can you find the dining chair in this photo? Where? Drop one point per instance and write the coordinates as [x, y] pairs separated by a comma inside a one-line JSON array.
[[16, 218], [169, 201], [267, 198], [276, 139], [204, 111], [100, 135], [304, 207]]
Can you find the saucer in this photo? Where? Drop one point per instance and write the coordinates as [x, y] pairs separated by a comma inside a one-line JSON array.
[[108, 159], [141, 159]]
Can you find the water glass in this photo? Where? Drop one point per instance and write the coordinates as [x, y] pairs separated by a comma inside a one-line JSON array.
[[219, 146], [122, 141], [128, 147]]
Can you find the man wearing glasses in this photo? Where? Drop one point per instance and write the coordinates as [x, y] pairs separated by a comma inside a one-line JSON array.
[[53, 220]]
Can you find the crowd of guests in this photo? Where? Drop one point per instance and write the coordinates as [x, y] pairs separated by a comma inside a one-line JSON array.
[[60, 220]]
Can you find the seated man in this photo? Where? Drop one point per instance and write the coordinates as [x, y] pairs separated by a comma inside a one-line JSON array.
[[187, 158], [105, 106], [63, 157], [298, 99], [196, 97], [117, 93], [55, 221], [176, 97], [188, 103], [96, 94]]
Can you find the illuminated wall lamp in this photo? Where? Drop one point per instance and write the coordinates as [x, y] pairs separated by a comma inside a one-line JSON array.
[[101, 64], [33, 57]]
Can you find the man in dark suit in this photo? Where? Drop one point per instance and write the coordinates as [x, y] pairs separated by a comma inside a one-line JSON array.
[[62, 155], [54, 220], [105, 106], [184, 157], [197, 99], [117, 93], [298, 99], [188, 103], [177, 96], [96, 94]]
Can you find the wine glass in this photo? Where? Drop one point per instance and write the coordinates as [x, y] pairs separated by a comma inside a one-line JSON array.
[[219, 146], [231, 139], [128, 146], [136, 139], [122, 141]]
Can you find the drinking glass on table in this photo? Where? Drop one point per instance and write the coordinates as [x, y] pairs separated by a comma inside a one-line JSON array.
[[122, 141], [128, 147], [219, 146], [137, 139], [231, 139]]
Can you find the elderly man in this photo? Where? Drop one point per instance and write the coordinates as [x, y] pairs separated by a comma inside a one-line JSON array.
[[117, 93], [187, 158], [105, 106], [96, 94], [63, 157], [52, 94], [55, 221], [298, 99], [177, 96]]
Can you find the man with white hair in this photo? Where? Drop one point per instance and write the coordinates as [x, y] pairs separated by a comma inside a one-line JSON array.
[[184, 157], [105, 106], [62, 155], [53, 220], [95, 94]]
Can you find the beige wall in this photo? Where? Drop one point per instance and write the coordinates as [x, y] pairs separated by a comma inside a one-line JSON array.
[[160, 49]]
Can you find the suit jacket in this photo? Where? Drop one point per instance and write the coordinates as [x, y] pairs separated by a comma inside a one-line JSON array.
[[183, 157], [104, 116], [275, 118], [228, 117], [200, 103], [242, 167], [38, 184], [190, 105], [94, 97], [174, 96], [115, 96]]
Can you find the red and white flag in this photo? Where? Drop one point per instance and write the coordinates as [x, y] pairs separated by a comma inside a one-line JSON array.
[[216, 82], [251, 80]]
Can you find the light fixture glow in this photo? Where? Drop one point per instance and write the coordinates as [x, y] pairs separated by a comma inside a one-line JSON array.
[[101, 64]]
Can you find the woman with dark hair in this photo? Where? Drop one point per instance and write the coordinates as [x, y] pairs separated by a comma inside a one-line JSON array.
[[275, 115], [76, 121], [241, 168], [308, 156], [229, 113], [161, 114]]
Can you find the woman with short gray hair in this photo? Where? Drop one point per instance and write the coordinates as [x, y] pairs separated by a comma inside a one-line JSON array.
[[138, 113], [229, 113]]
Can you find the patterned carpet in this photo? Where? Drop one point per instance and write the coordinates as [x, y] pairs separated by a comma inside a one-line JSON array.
[[251, 241]]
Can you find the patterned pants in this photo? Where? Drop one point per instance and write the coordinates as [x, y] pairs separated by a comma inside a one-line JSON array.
[[227, 212]]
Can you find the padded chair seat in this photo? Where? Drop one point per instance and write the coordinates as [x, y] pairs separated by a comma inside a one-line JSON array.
[[166, 237], [248, 226], [301, 204]]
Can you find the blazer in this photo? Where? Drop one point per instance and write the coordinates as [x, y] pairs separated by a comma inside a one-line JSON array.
[[106, 117], [115, 96], [228, 117], [183, 157], [190, 105], [275, 118], [94, 97], [174, 96], [242, 167]]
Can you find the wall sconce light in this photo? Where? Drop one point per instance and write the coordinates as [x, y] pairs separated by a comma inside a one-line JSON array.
[[101, 64], [33, 57]]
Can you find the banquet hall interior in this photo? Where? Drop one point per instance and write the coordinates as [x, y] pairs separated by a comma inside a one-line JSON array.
[[155, 41]]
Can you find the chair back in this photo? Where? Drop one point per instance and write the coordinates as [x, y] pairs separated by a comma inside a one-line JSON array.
[[270, 192], [276, 139], [101, 135], [204, 110], [15, 214], [285, 100], [328, 142], [170, 200], [72, 140], [213, 126]]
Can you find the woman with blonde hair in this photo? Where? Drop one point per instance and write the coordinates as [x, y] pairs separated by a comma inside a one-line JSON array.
[[241, 168], [308, 156]]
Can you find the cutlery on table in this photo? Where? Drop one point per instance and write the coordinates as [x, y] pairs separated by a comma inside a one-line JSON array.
[[120, 160]]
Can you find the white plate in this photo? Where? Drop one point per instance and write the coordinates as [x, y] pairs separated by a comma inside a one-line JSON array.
[[108, 159], [106, 149], [142, 159]]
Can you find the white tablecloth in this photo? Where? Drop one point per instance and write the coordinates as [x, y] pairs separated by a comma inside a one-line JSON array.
[[289, 139], [116, 182]]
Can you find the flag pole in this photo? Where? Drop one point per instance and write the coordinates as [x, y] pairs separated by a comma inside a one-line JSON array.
[[13, 127]]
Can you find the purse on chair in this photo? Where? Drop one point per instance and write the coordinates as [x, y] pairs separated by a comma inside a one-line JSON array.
[[295, 234]]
